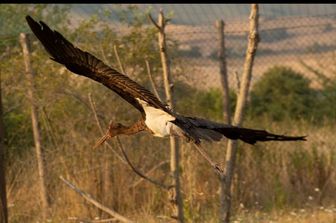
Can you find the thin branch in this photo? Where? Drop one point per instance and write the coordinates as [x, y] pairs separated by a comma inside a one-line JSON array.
[[11, 108], [150, 171], [166, 187], [164, 20], [237, 80], [49, 129], [77, 97], [152, 80], [153, 21], [118, 59], [321, 77], [103, 52], [88, 198], [94, 110], [223, 72]]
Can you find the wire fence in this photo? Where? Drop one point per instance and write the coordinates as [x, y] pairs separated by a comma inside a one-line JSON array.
[[283, 41], [289, 36]]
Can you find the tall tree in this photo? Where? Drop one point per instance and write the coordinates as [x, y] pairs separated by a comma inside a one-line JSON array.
[[175, 192], [223, 72], [230, 159], [24, 41]]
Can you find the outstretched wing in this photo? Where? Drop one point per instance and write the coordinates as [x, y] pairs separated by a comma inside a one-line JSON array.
[[85, 64], [198, 128]]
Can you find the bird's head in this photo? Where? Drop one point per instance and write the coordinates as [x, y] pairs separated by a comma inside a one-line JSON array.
[[114, 129]]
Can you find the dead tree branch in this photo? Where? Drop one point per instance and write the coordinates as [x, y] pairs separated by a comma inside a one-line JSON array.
[[149, 172], [150, 77], [156, 183], [154, 23], [88, 198], [118, 59], [237, 80], [94, 110], [223, 72]]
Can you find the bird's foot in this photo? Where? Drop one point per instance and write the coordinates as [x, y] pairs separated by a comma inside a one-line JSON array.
[[214, 165], [218, 170]]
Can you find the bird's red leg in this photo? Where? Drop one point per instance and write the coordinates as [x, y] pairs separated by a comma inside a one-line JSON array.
[[214, 165]]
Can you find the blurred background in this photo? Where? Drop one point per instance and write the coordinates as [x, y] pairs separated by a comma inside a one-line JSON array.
[[293, 92]]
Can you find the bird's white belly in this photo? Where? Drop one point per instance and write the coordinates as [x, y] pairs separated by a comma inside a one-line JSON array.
[[157, 120], [159, 125]]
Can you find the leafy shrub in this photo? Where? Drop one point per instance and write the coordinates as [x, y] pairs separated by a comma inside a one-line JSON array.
[[207, 104], [282, 93]]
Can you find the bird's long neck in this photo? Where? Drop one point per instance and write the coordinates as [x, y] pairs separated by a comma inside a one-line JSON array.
[[119, 129], [133, 129]]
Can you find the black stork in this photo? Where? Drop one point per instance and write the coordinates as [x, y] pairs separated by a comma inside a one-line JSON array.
[[156, 118]]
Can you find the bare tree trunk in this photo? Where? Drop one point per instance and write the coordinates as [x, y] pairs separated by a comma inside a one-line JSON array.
[[223, 72], [238, 116], [175, 193], [3, 193], [37, 139]]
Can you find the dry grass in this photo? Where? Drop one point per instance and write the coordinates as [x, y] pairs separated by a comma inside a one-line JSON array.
[[270, 178], [317, 215]]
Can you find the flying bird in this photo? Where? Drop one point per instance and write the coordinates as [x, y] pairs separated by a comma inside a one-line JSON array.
[[156, 117]]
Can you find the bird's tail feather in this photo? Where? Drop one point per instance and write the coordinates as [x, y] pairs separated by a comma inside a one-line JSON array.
[[251, 136]]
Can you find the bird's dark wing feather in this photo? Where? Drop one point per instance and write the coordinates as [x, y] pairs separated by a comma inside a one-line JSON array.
[[85, 64], [198, 128]]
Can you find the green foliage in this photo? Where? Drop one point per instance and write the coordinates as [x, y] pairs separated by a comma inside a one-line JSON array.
[[282, 93], [12, 19], [325, 104], [195, 102], [326, 96], [285, 94], [131, 15]]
